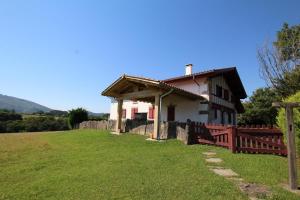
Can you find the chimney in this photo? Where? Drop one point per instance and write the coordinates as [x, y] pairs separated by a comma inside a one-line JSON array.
[[188, 69]]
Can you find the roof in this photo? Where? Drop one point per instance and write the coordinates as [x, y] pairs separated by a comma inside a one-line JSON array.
[[230, 74], [109, 91]]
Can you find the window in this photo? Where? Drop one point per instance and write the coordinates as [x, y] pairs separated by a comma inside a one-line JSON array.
[[124, 113], [229, 118], [133, 112], [226, 94], [151, 113], [232, 98], [219, 91], [171, 113], [216, 113]]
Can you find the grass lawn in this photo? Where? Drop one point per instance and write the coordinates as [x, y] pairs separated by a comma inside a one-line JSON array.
[[97, 165]]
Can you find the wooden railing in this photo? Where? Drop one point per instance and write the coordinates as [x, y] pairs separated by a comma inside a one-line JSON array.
[[260, 140], [249, 139]]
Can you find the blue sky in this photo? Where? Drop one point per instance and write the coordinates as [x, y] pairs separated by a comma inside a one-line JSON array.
[[62, 54]]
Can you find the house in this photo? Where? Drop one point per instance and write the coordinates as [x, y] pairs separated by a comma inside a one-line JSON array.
[[212, 96]]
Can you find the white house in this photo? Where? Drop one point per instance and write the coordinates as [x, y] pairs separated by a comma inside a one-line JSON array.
[[210, 97]]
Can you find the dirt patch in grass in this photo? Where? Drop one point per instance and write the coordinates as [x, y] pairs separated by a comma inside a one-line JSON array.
[[255, 191]]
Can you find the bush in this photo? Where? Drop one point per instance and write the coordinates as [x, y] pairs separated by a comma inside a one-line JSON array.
[[8, 115], [12, 126], [281, 117], [2, 127], [12, 123], [77, 116], [34, 124], [15, 126]]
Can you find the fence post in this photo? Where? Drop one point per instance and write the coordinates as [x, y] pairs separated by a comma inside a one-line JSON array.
[[292, 158], [232, 133], [188, 133]]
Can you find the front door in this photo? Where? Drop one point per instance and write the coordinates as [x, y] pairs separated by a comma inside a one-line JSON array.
[[171, 113]]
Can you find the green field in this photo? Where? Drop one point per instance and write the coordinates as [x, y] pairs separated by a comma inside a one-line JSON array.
[[97, 165]]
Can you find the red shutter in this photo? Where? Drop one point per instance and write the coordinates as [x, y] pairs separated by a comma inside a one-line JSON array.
[[133, 111], [151, 113]]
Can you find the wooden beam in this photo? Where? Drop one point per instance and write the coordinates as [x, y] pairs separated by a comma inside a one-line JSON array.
[[291, 148], [140, 94], [290, 141], [119, 116], [288, 104], [156, 117]]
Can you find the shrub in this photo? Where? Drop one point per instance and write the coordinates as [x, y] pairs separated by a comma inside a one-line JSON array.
[[281, 116], [34, 124], [8, 115], [77, 116], [15, 126], [2, 127]]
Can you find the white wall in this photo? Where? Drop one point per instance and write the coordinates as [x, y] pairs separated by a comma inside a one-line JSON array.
[[184, 109], [192, 86], [142, 108]]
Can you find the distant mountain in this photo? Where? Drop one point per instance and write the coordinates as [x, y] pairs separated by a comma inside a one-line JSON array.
[[21, 105], [25, 106], [96, 114]]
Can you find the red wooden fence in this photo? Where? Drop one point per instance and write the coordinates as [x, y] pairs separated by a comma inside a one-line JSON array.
[[249, 139]]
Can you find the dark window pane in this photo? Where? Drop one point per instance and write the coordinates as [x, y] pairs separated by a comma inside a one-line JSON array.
[[229, 118], [226, 94], [219, 91]]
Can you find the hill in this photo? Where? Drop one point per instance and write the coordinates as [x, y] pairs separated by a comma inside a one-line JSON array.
[[21, 105], [25, 106]]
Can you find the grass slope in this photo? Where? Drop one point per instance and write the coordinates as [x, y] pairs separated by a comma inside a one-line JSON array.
[[97, 165]]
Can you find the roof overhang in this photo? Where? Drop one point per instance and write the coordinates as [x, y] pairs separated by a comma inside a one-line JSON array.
[[230, 74], [143, 89]]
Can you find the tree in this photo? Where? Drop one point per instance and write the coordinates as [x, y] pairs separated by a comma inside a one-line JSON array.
[[289, 84], [280, 61], [77, 116], [288, 42], [259, 110]]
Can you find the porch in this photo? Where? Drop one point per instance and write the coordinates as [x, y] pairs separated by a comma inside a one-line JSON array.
[[147, 90]]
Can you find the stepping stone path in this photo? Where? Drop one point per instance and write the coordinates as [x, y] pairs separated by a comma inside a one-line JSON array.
[[214, 160], [209, 153], [225, 172], [254, 191]]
